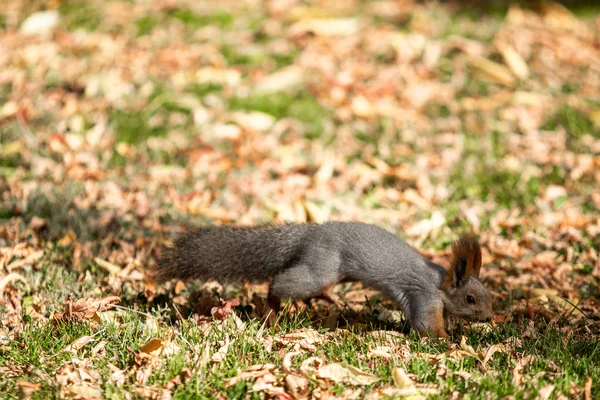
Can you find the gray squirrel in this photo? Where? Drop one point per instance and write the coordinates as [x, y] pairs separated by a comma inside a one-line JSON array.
[[306, 260]]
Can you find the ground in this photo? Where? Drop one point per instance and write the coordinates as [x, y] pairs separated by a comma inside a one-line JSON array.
[[123, 122]]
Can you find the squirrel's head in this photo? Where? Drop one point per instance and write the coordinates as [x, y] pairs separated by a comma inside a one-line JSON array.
[[465, 295]]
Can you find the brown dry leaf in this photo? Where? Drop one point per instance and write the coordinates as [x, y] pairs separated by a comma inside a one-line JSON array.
[[495, 348], [83, 391], [252, 372], [117, 375], [545, 392], [518, 369], [286, 362], [78, 344], [540, 296], [28, 260], [86, 308], [513, 59], [339, 373], [297, 386], [26, 389], [306, 338], [152, 346], [558, 17], [110, 267], [37, 223], [493, 71], [315, 213], [467, 347], [78, 381], [401, 380], [10, 278], [326, 27], [386, 352], [413, 393], [220, 354], [425, 228], [224, 310], [310, 365], [587, 390], [569, 306], [268, 384]]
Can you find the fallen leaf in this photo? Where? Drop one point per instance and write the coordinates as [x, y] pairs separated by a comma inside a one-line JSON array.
[[268, 383], [545, 392], [37, 223], [78, 344], [83, 391], [220, 354], [496, 348], [401, 380], [297, 385], [152, 346], [110, 267], [517, 372], [224, 310], [10, 278], [252, 372], [587, 390], [26, 389], [286, 362], [86, 308], [467, 347], [117, 375], [326, 27], [339, 373], [29, 260], [412, 393], [310, 365], [40, 23], [380, 351], [513, 59], [491, 70]]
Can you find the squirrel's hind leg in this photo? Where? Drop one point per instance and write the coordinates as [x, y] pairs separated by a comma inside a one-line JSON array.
[[331, 298], [302, 281]]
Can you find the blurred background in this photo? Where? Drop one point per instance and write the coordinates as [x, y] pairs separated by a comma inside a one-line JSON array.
[[426, 117], [122, 122]]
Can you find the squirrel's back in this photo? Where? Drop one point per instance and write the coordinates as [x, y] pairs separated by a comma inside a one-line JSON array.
[[230, 253]]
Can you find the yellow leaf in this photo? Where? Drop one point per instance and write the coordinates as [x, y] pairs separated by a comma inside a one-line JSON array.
[[492, 71], [151, 346], [110, 267], [78, 343], [513, 59], [401, 380]]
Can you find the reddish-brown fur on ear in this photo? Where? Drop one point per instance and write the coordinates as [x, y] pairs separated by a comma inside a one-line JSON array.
[[467, 250]]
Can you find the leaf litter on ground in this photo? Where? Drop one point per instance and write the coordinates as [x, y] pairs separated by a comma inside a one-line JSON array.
[[121, 122]]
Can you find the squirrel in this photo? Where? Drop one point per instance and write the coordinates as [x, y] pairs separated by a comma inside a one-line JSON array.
[[306, 260]]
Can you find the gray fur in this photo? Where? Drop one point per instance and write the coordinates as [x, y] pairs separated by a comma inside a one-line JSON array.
[[304, 260]]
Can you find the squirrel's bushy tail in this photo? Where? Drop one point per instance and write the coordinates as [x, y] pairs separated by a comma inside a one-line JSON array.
[[228, 253]]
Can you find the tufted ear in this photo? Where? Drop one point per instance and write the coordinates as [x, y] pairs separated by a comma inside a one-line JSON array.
[[466, 262]]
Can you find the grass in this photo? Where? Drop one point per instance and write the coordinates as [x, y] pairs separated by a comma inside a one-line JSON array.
[[134, 126], [194, 20], [79, 15], [458, 160], [301, 106], [575, 123], [38, 349]]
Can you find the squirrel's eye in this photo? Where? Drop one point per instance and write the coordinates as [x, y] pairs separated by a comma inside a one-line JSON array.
[[470, 299]]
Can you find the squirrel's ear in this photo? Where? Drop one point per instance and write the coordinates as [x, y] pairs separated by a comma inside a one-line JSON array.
[[466, 261]]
